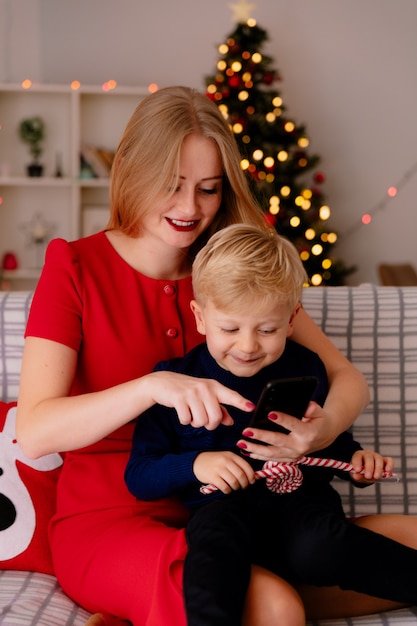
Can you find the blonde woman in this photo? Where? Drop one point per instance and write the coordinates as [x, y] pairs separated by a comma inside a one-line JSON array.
[[106, 309]]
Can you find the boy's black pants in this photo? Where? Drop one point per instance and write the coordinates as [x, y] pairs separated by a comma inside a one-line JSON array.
[[302, 536]]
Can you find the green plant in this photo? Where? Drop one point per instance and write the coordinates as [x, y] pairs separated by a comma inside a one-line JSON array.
[[32, 132]]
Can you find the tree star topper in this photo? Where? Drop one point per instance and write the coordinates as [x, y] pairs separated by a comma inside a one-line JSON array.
[[241, 11]]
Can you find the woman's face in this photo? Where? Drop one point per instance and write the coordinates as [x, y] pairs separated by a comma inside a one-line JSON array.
[[181, 219]]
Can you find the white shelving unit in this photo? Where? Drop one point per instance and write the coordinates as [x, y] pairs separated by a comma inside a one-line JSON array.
[[52, 206]]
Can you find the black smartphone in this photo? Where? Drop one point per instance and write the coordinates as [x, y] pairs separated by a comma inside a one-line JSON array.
[[286, 395]]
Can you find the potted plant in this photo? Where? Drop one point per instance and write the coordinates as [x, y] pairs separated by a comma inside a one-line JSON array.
[[32, 132]]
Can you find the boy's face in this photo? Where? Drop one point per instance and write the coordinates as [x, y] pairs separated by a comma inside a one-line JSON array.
[[244, 344]]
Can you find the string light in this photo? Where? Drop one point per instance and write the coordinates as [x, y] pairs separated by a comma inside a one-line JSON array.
[[392, 192]]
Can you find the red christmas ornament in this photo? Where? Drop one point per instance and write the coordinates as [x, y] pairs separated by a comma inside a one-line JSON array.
[[319, 177], [270, 219], [10, 261], [269, 78], [234, 81]]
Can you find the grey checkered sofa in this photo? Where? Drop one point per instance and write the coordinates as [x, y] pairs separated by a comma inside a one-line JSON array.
[[376, 327]]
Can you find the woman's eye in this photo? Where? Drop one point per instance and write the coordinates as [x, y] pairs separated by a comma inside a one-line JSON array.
[[210, 192]]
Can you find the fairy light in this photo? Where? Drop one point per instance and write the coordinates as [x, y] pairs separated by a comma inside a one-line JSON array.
[[109, 85], [324, 212], [274, 205], [27, 84], [391, 193], [224, 110], [316, 280], [289, 127], [303, 142], [317, 249], [295, 221], [258, 155], [75, 85], [243, 95], [257, 57]]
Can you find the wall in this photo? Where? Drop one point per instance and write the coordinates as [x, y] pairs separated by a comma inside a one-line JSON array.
[[348, 69]]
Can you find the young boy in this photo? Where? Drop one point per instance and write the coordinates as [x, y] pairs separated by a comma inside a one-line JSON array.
[[247, 285]]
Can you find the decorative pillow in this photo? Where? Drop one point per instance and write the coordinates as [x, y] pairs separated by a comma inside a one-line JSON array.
[[27, 500]]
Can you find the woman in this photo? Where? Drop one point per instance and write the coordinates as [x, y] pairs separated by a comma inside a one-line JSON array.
[[106, 309]]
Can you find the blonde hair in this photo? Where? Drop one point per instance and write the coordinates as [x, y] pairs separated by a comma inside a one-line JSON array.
[[146, 164], [244, 266]]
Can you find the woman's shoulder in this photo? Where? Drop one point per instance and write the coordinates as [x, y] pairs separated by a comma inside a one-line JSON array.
[[85, 246]]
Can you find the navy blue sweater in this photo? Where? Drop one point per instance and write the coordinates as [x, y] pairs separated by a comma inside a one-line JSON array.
[[163, 451]]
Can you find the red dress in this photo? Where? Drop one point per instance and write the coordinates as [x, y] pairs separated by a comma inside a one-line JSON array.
[[112, 552]]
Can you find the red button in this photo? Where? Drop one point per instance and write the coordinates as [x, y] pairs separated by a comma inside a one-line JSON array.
[[172, 332], [169, 290]]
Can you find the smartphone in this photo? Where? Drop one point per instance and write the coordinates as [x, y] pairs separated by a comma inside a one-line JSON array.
[[286, 395]]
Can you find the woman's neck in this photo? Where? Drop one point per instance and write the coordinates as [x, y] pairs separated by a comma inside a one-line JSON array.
[[164, 263]]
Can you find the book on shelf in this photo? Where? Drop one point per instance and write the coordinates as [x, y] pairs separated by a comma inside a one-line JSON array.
[[95, 162]]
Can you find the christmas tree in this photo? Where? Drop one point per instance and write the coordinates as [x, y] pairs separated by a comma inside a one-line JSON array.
[[282, 174]]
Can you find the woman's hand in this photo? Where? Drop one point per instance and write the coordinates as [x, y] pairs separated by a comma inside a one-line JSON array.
[[369, 466], [305, 436], [197, 401], [226, 470]]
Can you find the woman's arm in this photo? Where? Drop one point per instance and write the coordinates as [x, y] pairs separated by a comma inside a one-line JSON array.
[[348, 396], [50, 420]]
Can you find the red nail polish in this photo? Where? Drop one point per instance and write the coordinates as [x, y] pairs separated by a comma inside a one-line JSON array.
[[272, 416], [248, 433], [241, 444]]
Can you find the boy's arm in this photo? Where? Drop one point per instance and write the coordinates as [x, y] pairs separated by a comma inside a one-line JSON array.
[[154, 469]]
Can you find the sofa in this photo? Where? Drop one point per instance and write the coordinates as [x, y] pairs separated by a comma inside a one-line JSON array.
[[374, 326]]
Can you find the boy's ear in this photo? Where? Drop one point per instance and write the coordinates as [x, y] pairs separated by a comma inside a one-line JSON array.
[[199, 318], [292, 319]]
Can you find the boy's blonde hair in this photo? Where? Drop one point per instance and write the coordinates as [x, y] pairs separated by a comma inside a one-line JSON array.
[[146, 163], [243, 266]]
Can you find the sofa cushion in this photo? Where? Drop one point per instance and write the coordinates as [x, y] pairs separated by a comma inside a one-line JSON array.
[[27, 500], [376, 328], [29, 599]]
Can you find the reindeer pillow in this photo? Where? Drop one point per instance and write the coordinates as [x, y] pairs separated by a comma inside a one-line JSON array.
[[27, 500]]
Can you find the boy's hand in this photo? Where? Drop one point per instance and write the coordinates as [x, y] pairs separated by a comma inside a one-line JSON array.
[[226, 470], [369, 466]]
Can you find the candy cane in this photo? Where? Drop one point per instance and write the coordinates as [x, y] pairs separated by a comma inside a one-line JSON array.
[[287, 477]]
